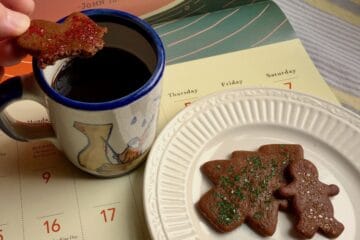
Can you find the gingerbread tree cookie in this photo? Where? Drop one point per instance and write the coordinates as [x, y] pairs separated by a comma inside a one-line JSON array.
[[311, 201], [244, 188]]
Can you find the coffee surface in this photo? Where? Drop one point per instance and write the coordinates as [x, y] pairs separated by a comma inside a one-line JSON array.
[[111, 74]]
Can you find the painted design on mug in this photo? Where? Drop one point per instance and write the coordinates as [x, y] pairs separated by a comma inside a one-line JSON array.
[[135, 146], [130, 153], [100, 156], [93, 155]]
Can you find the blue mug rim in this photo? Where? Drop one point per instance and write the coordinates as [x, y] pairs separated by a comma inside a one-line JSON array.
[[125, 100]]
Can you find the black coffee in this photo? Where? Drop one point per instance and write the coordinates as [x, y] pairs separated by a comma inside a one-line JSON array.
[[111, 74]]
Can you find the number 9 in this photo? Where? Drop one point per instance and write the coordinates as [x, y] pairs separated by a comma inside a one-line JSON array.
[[46, 177]]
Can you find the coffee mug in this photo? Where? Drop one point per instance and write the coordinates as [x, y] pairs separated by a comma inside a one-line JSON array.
[[103, 110]]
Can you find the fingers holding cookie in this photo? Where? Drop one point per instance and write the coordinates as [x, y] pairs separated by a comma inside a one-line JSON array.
[[10, 53], [13, 22]]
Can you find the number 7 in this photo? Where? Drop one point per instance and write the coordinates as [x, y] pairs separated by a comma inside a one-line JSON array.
[[289, 84]]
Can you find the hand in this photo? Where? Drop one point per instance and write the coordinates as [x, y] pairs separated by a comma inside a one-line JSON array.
[[14, 20]]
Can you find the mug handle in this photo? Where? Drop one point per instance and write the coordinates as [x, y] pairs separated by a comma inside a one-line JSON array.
[[23, 88]]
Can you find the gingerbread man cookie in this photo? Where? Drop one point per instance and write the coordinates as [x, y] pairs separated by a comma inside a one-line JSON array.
[[311, 201]]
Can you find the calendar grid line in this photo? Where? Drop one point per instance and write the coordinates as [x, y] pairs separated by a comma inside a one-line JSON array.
[[285, 79], [107, 204], [136, 203], [78, 205], [22, 220], [51, 215]]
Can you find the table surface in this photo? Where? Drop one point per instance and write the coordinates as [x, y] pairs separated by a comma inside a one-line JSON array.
[[330, 32]]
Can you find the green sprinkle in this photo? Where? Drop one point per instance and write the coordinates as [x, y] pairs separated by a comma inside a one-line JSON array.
[[247, 185], [264, 183], [225, 181], [230, 169], [256, 161], [258, 215], [239, 194], [219, 195], [227, 212], [255, 192], [236, 178], [286, 155], [273, 167], [267, 202]]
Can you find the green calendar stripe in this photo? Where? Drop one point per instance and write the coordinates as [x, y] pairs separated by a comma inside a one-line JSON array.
[[204, 23], [224, 31], [194, 7]]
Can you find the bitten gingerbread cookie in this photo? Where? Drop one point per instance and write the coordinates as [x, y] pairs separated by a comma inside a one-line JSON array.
[[49, 41], [244, 188], [311, 201]]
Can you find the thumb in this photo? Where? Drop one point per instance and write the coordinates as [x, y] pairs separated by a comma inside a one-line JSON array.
[[12, 23]]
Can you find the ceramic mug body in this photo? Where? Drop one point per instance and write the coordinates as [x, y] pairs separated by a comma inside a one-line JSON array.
[[104, 138], [107, 142]]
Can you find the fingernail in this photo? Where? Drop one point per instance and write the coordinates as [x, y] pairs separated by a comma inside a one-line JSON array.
[[18, 21]]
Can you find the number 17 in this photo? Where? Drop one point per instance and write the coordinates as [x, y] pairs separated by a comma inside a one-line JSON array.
[[112, 212]]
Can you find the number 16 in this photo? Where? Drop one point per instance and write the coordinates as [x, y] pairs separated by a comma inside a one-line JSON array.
[[51, 227]]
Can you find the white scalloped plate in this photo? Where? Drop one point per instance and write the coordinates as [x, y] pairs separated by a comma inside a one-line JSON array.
[[214, 126]]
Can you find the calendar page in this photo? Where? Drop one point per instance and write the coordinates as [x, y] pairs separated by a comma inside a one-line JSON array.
[[44, 197]]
